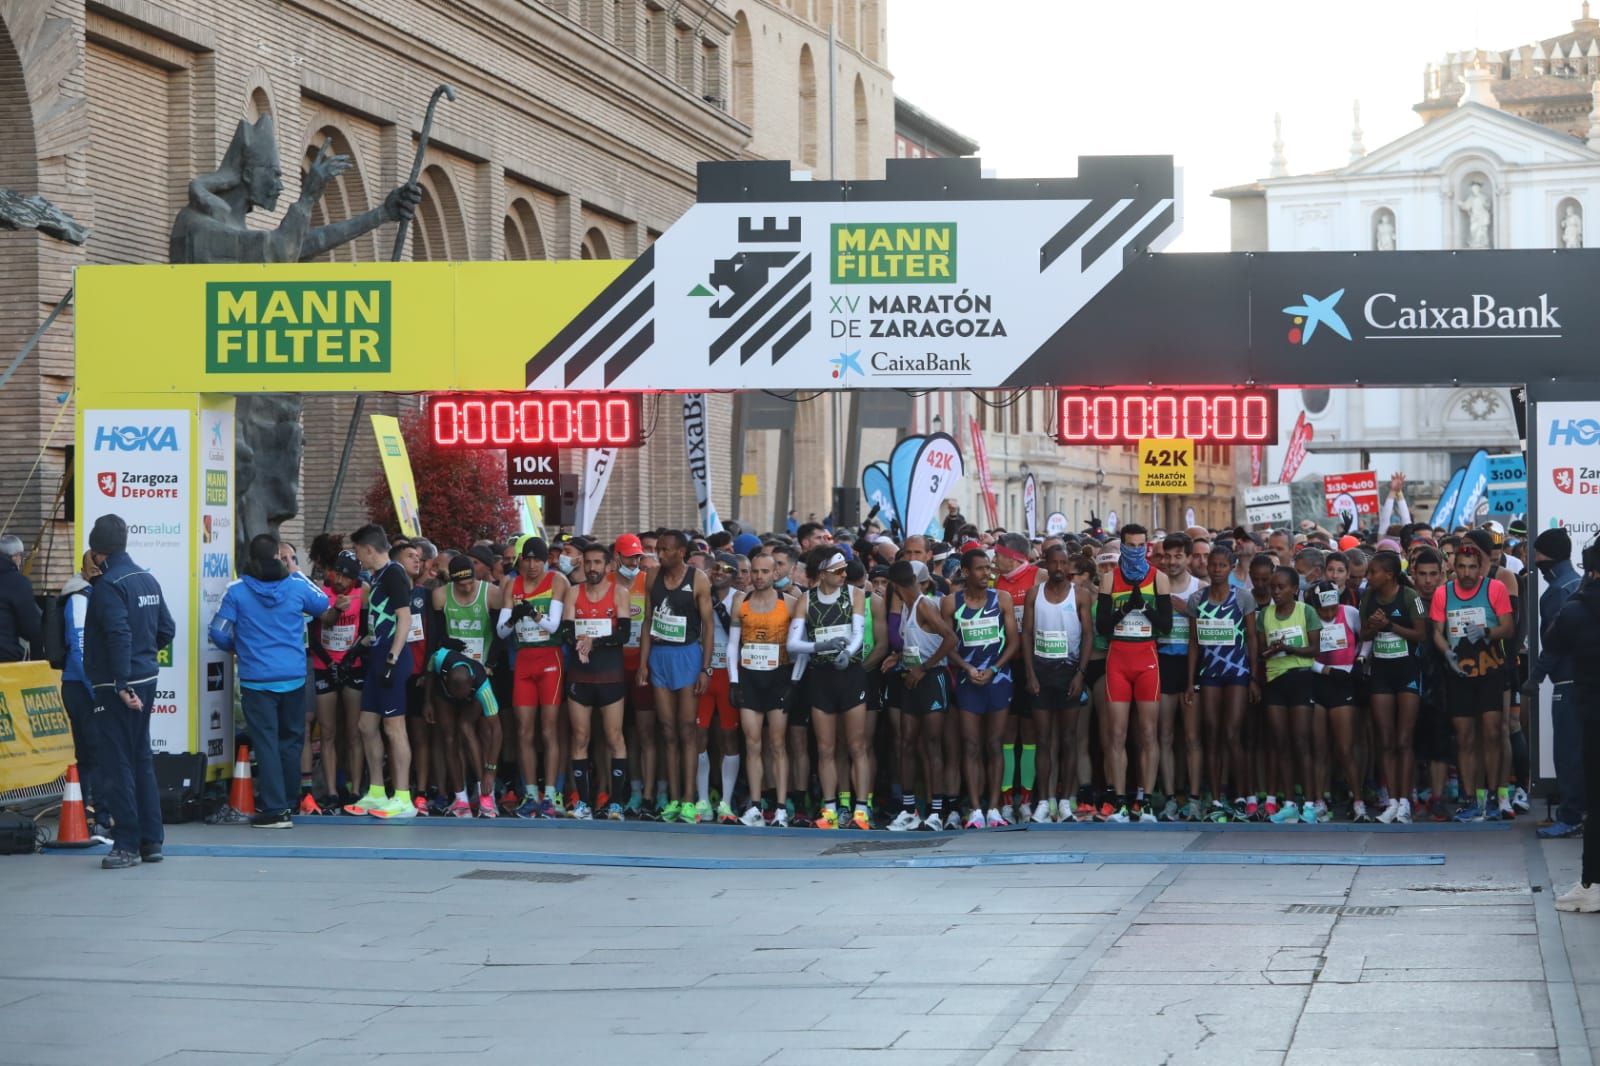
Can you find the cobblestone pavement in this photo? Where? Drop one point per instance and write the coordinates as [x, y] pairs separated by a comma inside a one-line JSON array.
[[1159, 946]]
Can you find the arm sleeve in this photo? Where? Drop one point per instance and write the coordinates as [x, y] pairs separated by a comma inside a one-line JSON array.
[[858, 633], [734, 633], [619, 634], [552, 621], [1163, 618], [798, 644], [503, 625], [1105, 622]]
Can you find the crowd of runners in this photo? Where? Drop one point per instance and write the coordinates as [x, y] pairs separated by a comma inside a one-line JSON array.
[[865, 680]]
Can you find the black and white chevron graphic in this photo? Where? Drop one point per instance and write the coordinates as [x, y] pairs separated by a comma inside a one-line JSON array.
[[768, 292], [617, 326]]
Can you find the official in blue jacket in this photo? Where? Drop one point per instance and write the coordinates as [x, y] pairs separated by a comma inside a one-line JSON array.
[[124, 629], [262, 621], [76, 695]]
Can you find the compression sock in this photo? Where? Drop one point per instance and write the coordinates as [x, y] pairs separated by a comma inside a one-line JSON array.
[[702, 777], [1030, 753], [730, 776], [620, 794], [461, 797], [844, 801], [1483, 799], [583, 780], [908, 803], [1008, 777]]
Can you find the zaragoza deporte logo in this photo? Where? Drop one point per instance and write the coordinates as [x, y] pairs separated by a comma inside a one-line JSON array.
[[1313, 313]]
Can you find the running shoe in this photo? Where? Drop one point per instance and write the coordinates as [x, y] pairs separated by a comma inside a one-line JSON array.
[[1559, 831], [860, 819], [828, 819], [462, 809], [1169, 811], [1358, 812], [934, 822], [1289, 812], [1519, 800], [780, 818], [725, 814], [703, 812], [557, 805], [581, 812], [752, 817], [904, 822], [1470, 813], [366, 804], [1506, 811], [308, 806], [1142, 813], [635, 802], [529, 808], [1580, 898], [1438, 811], [1083, 812], [396, 809], [486, 808], [1043, 813], [1308, 813], [1251, 808], [1107, 812], [613, 812], [421, 804], [1390, 812], [1269, 810], [1404, 817], [1119, 816], [509, 802], [1220, 813], [671, 812], [1006, 812], [975, 818], [1189, 812], [997, 819]]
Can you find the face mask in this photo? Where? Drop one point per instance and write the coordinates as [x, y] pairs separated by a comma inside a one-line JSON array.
[[564, 565], [1546, 566], [781, 583], [1133, 561]]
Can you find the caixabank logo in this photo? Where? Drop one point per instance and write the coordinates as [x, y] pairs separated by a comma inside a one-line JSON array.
[[299, 327]]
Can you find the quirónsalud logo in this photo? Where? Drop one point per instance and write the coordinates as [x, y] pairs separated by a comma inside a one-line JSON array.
[[1313, 313]]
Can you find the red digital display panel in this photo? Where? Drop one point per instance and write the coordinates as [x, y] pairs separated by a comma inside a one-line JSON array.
[[531, 420], [1205, 416]]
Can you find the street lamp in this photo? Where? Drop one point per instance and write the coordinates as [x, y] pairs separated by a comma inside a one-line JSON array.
[[936, 423]]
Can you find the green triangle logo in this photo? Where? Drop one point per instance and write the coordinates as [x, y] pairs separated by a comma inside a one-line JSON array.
[[701, 290]]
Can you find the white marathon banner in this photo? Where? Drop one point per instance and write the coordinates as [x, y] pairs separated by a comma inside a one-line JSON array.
[[136, 465], [214, 682], [1566, 494], [597, 466], [696, 437], [935, 473], [1030, 505]]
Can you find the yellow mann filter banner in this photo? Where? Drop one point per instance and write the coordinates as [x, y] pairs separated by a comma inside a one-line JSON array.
[[35, 735], [397, 469], [325, 327]]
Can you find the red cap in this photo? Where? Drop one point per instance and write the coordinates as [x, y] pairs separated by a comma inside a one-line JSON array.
[[628, 545], [971, 546], [1347, 542]]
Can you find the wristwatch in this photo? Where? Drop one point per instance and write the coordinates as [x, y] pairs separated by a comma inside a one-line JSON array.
[[710, 670]]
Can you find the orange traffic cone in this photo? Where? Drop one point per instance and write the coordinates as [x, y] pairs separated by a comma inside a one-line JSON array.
[[242, 794], [73, 830]]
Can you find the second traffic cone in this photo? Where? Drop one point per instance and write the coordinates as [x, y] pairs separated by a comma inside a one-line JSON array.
[[242, 794], [73, 829]]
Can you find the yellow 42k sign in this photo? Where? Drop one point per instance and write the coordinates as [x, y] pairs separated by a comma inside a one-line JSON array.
[[1166, 465]]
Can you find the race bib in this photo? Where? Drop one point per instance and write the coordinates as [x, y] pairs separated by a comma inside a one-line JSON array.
[[473, 649], [338, 638], [1289, 637], [1390, 646], [719, 657], [1217, 633], [592, 627], [911, 656], [1016, 609], [1052, 644], [668, 627], [1180, 631], [1134, 626], [415, 633], [1334, 638], [981, 630], [759, 657], [830, 632], [1457, 621]]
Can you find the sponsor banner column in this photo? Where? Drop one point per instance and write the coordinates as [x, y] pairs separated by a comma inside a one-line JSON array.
[[136, 464], [214, 680]]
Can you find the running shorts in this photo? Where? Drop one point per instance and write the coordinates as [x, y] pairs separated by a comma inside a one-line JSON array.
[[716, 700], [984, 699], [1132, 675], [674, 666], [1292, 689], [1055, 682], [928, 697], [1174, 674], [1336, 688], [765, 690], [1093, 671], [1391, 677], [536, 682], [834, 691], [323, 683], [389, 700], [596, 693], [1467, 697]]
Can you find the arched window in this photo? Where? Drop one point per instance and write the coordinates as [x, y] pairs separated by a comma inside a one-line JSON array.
[[259, 105], [345, 196], [440, 231], [863, 133], [744, 72], [807, 124], [1569, 223], [595, 245], [524, 238]]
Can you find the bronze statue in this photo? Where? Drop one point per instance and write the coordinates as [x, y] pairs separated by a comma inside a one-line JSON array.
[[212, 229]]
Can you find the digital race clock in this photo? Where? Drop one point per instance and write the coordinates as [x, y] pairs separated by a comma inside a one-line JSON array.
[[1204, 415], [533, 420]]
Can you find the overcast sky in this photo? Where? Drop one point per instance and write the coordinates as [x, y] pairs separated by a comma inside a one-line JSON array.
[[1038, 83]]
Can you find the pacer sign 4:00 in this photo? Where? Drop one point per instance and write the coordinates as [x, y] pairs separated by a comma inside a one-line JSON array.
[[519, 420]]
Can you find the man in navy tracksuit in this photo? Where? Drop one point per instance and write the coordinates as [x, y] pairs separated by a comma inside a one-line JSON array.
[[262, 620], [126, 625]]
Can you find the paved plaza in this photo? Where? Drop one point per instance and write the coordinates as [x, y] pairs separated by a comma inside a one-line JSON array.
[[1107, 946]]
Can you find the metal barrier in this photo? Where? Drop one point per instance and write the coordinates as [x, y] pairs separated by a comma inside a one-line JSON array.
[[38, 795]]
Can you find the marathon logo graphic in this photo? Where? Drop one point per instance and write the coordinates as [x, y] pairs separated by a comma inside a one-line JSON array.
[[46, 716], [767, 293], [890, 253], [136, 439], [127, 486], [617, 326], [298, 327]]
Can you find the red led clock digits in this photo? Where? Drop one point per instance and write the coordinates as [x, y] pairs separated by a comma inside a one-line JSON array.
[[1205, 415], [513, 420]]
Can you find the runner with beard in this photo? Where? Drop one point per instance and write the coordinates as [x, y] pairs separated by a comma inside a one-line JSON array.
[[1136, 607], [529, 619], [1471, 616], [759, 683], [1172, 653], [598, 610], [717, 702], [415, 556], [464, 611], [1057, 636], [338, 670], [641, 731], [829, 629]]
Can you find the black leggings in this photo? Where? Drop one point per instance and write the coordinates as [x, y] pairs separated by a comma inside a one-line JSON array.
[[1589, 710]]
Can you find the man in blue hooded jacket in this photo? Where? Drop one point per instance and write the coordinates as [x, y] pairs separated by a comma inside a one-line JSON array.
[[262, 621]]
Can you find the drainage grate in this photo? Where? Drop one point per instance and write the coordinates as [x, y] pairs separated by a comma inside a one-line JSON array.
[[868, 847], [1341, 911], [538, 877]]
